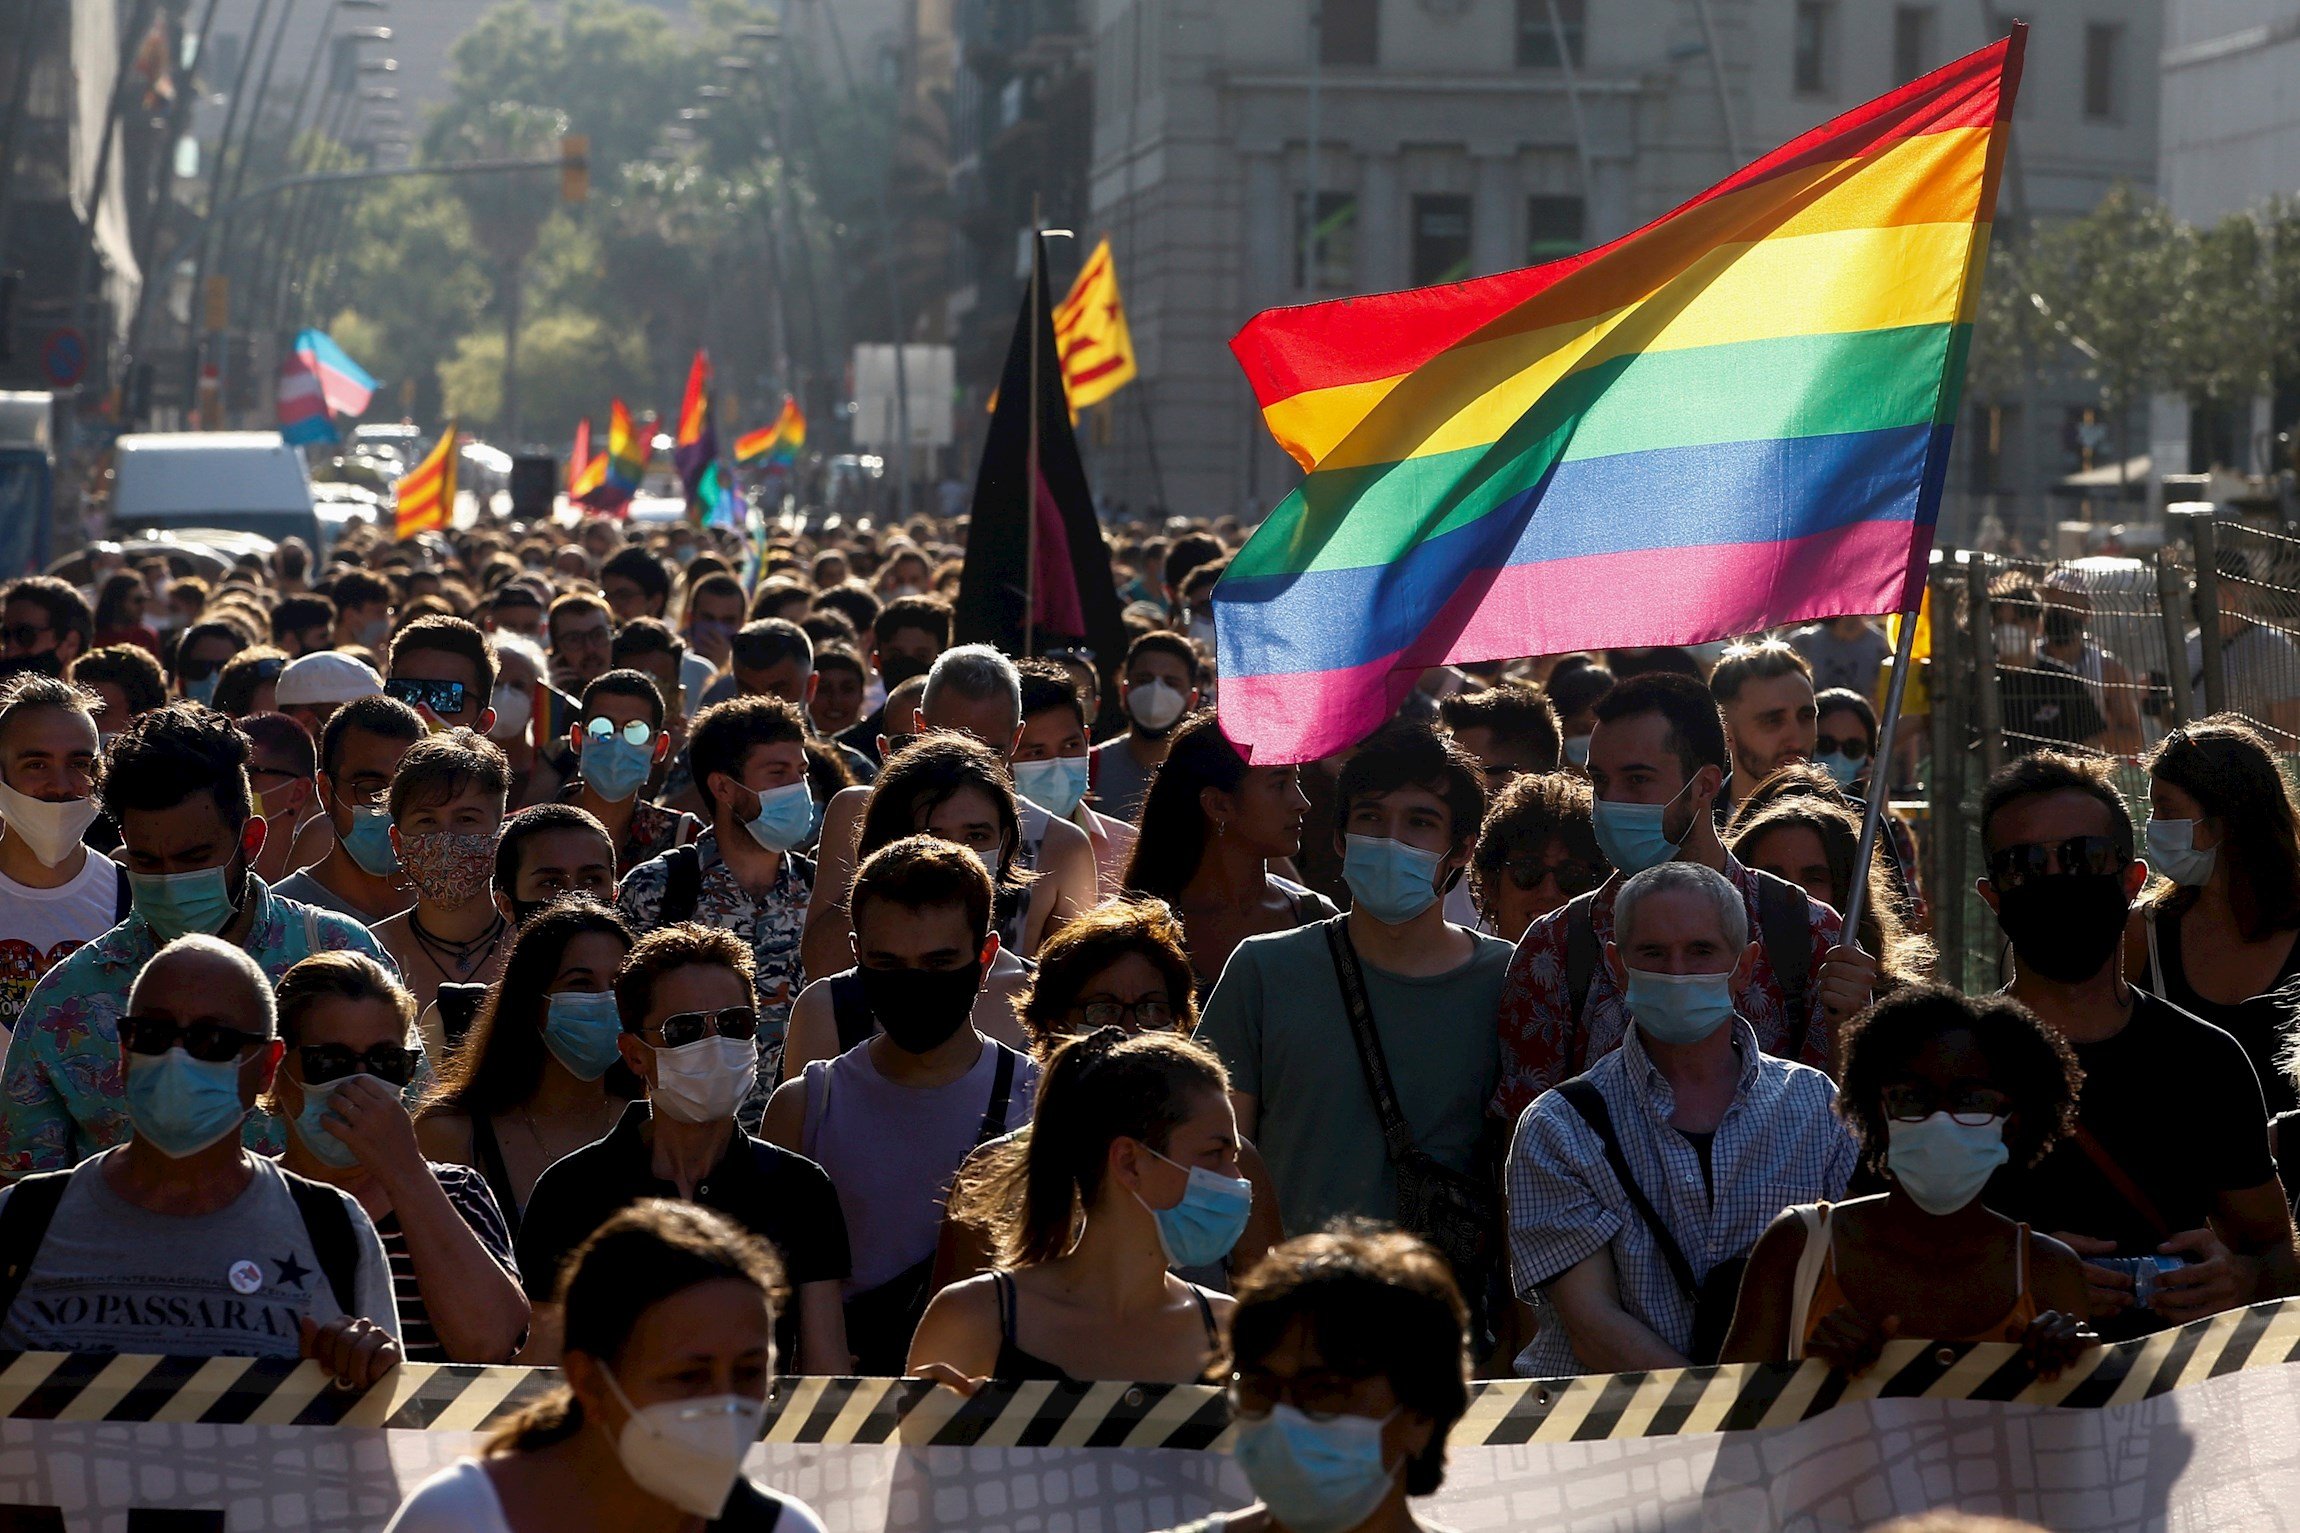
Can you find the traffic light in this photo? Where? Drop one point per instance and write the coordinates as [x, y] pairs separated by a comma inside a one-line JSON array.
[[574, 168]]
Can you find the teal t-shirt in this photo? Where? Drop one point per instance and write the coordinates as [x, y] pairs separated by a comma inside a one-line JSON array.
[[1277, 1020]]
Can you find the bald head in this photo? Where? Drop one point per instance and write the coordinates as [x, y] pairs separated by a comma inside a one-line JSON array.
[[201, 978]]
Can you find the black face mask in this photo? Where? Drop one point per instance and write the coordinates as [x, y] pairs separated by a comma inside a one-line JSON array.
[[894, 670], [44, 663], [920, 1009], [2065, 926]]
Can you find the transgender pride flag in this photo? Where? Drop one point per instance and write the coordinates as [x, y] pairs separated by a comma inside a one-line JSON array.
[[343, 383], [303, 413], [1734, 418]]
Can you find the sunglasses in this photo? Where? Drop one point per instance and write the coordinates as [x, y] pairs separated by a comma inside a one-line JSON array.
[[1852, 747], [198, 670], [441, 697], [1149, 1016], [209, 1042], [1574, 877], [2012, 866], [324, 1062], [684, 1027], [637, 732], [1966, 1103], [24, 635]]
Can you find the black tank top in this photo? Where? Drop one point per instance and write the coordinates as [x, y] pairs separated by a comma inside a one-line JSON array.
[[2258, 1023], [1015, 1364]]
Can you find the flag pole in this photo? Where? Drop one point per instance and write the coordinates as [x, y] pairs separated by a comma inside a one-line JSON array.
[[1030, 458], [1880, 776]]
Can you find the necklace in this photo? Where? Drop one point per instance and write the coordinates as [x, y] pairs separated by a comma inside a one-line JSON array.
[[466, 956]]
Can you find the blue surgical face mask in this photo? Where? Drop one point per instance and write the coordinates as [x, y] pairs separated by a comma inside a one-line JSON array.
[[329, 1150], [1842, 769], [181, 1105], [1200, 1230], [204, 690], [368, 843], [2172, 851], [1631, 835], [198, 903], [1680, 1008], [582, 1028], [615, 768], [1941, 1163], [1314, 1476], [1054, 785], [1577, 750], [1389, 880], [786, 816]]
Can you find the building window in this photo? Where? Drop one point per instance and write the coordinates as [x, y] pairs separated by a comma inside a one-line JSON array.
[[1331, 246], [2100, 50], [1441, 238], [1553, 228], [1350, 32], [1912, 41], [1809, 49], [1537, 38]]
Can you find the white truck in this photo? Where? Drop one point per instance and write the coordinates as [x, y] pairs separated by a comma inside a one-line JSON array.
[[238, 481]]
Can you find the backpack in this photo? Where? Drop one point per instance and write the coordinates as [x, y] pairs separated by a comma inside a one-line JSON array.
[[1784, 927], [31, 1207], [682, 883]]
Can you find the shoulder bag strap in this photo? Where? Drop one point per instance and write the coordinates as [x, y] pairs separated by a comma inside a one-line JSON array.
[[2121, 1180], [328, 1223], [1581, 956], [1582, 1095], [488, 1151], [682, 883], [1001, 1094], [1397, 1135], [24, 1222], [1817, 1237]]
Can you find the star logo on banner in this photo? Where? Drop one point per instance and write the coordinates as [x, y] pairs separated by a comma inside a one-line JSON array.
[[291, 1270]]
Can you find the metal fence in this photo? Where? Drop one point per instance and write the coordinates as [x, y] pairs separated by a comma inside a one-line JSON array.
[[2100, 655]]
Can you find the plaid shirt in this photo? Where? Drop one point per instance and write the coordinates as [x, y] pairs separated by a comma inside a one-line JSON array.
[[1542, 1045], [1779, 1144], [63, 1095]]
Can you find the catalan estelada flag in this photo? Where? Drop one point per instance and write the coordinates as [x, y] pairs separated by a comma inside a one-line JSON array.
[[695, 446], [425, 499], [1736, 417], [1090, 333], [778, 443]]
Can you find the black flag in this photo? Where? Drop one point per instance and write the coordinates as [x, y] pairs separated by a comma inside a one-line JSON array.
[[1077, 601]]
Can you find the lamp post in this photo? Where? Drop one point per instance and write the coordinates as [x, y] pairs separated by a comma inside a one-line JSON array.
[[288, 216]]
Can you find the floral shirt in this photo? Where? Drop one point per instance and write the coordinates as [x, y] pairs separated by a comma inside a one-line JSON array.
[[1541, 1044], [654, 829], [63, 1095], [772, 923]]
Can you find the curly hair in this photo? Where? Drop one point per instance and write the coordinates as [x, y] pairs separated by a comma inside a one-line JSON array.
[[1085, 945], [2028, 1060], [1523, 819]]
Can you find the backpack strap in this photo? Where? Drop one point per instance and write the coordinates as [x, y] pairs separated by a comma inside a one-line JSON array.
[[123, 895], [1785, 926], [682, 882], [1581, 956], [1001, 1095], [24, 1221], [328, 1223], [1582, 1095]]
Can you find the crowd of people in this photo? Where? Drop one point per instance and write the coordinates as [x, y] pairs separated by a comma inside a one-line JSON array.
[[683, 962]]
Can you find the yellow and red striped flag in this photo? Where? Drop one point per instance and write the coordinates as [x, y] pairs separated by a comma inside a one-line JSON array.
[[1090, 334], [426, 497]]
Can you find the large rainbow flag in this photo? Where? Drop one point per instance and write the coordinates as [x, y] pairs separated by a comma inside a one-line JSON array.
[[778, 442], [1736, 417]]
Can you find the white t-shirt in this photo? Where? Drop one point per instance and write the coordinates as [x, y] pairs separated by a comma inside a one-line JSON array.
[[461, 1499], [40, 927]]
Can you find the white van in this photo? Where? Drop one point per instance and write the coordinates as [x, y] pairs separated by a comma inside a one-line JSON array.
[[240, 481]]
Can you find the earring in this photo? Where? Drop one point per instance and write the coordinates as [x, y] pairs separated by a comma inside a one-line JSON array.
[[1221, 828]]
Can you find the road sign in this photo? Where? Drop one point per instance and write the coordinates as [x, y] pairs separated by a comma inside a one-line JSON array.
[[64, 356]]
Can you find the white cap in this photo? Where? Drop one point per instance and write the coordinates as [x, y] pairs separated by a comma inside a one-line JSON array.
[[326, 676]]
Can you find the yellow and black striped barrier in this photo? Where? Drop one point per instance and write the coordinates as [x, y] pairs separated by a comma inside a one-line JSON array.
[[81, 1387]]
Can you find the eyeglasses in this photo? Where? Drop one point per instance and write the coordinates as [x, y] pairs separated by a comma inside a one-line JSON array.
[[209, 1042], [1320, 1395], [199, 670], [2012, 866], [684, 1027], [1574, 877], [637, 732], [1150, 1015], [265, 771], [324, 1062], [1966, 1102], [25, 635], [1851, 747]]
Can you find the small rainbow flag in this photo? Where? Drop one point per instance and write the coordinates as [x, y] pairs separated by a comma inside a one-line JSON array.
[[696, 446], [609, 480], [1733, 418], [424, 501], [779, 443]]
